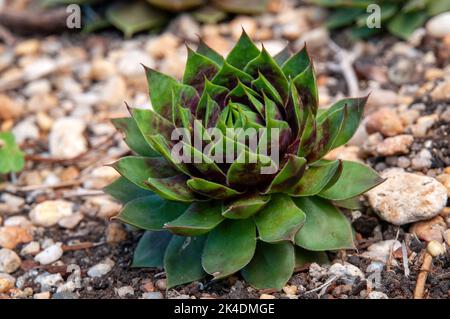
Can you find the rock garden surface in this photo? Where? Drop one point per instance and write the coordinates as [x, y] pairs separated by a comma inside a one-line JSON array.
[[58, 236]]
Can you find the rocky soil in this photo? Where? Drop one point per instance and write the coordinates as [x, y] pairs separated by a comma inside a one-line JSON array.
[[57, 93]]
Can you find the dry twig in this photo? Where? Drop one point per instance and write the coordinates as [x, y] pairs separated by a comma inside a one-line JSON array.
[[422, 277]]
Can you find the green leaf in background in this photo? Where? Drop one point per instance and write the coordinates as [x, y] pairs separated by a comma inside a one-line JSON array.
[[343, 17], [404, 24], [132, 17], [12, 159], [150, 250], [326, 228], [271, 267], [176, 5], [183, 260], [242, 6]]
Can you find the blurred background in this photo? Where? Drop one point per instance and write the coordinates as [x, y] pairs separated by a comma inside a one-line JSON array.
[[67, 66]]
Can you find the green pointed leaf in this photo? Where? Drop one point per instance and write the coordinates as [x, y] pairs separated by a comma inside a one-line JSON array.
[[151, 212], [306, 86], [125, 191], [134, 17], [279, 220], [208, 52], [160, 89], [198, 68], [288, 176], [263, 85], [151, 123], [343, 17], [404, 24], [176, 5], [244, 51], [296, 64], [326, 228], [211, 189], [308, 136], [355, 180], [182, 261], [172, 188], [242, 6], [271, 267], [200, 218], [150, 250], [305, 257], [133, 136], [12, 158], [229, 76], [267, 66], [436, 7], [138, 169], [315, 179], [282, 56], [229, 247], [246, 206], [353, 203]]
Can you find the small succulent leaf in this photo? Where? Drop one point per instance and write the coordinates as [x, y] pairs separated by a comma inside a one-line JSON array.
[[342, 17], [204, 164], [247, 169], [125, 191], [133, 136], [305, 257], [267, 66], [355, 110], [404, 24], [176, 5], [263, 85], [353, 203], [172, 188], [239, 94], [12, 159], [436, 7], [151, 123], [182, 260], [279, 220], [242, 6], [295, 112], [309, 133], [212, 93], [325, 228], [160, 90], [288, 176], [208, 52], [134, 17], [151, 212], [138, 169], [314, 179], [151, 249], [229, 76], [271, 267], [282, 56], [185, 96], [306, 86], [229, 247], [211, 189], [296, 64], [245, 206], [200, 218], [199, 68], [244, 50], [327, 132], [355, 180]]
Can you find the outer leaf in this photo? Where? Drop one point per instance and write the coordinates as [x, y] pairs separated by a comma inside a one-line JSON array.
[[326, 228], [246, 206], [229, 76], [306, 86], [271, 267], [172, 188], [151, 212], [151, 249], [229, 247], [244, 51], [198, 219], [355, 180], [289, 175], [182, 261], [279, 220], [133, 136], [211, 189], [283, 55], [208, 52], [296, 64], [125, 191], [404, 24], [314, 179], [12, 159], [304, 257], [343, 17], [176, 5], [198, 67]]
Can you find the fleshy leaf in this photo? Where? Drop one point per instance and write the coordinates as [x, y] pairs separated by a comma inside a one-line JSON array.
[[208, 52], [12, 158], [242, 6], [246, 206], [271, 267], [151, 212], [404, 24], [304, 257], [200, 218], [228, 76], [133, 136], [172, 188], [296, 64], [198, 68], [325, 228], [151, 123], [355, 180], [353, 203], [282, 56], [306, 86], [150, 250], [125, 191], [289, 175], [315, 179], [244, 50], [182, 261], [229, 247], [211, 189], [176, 5], [279, 220]]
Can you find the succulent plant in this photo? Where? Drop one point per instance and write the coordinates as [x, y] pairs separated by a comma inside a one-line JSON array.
[[209, 216], [142, 15], [400, 18], [11, 157]]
